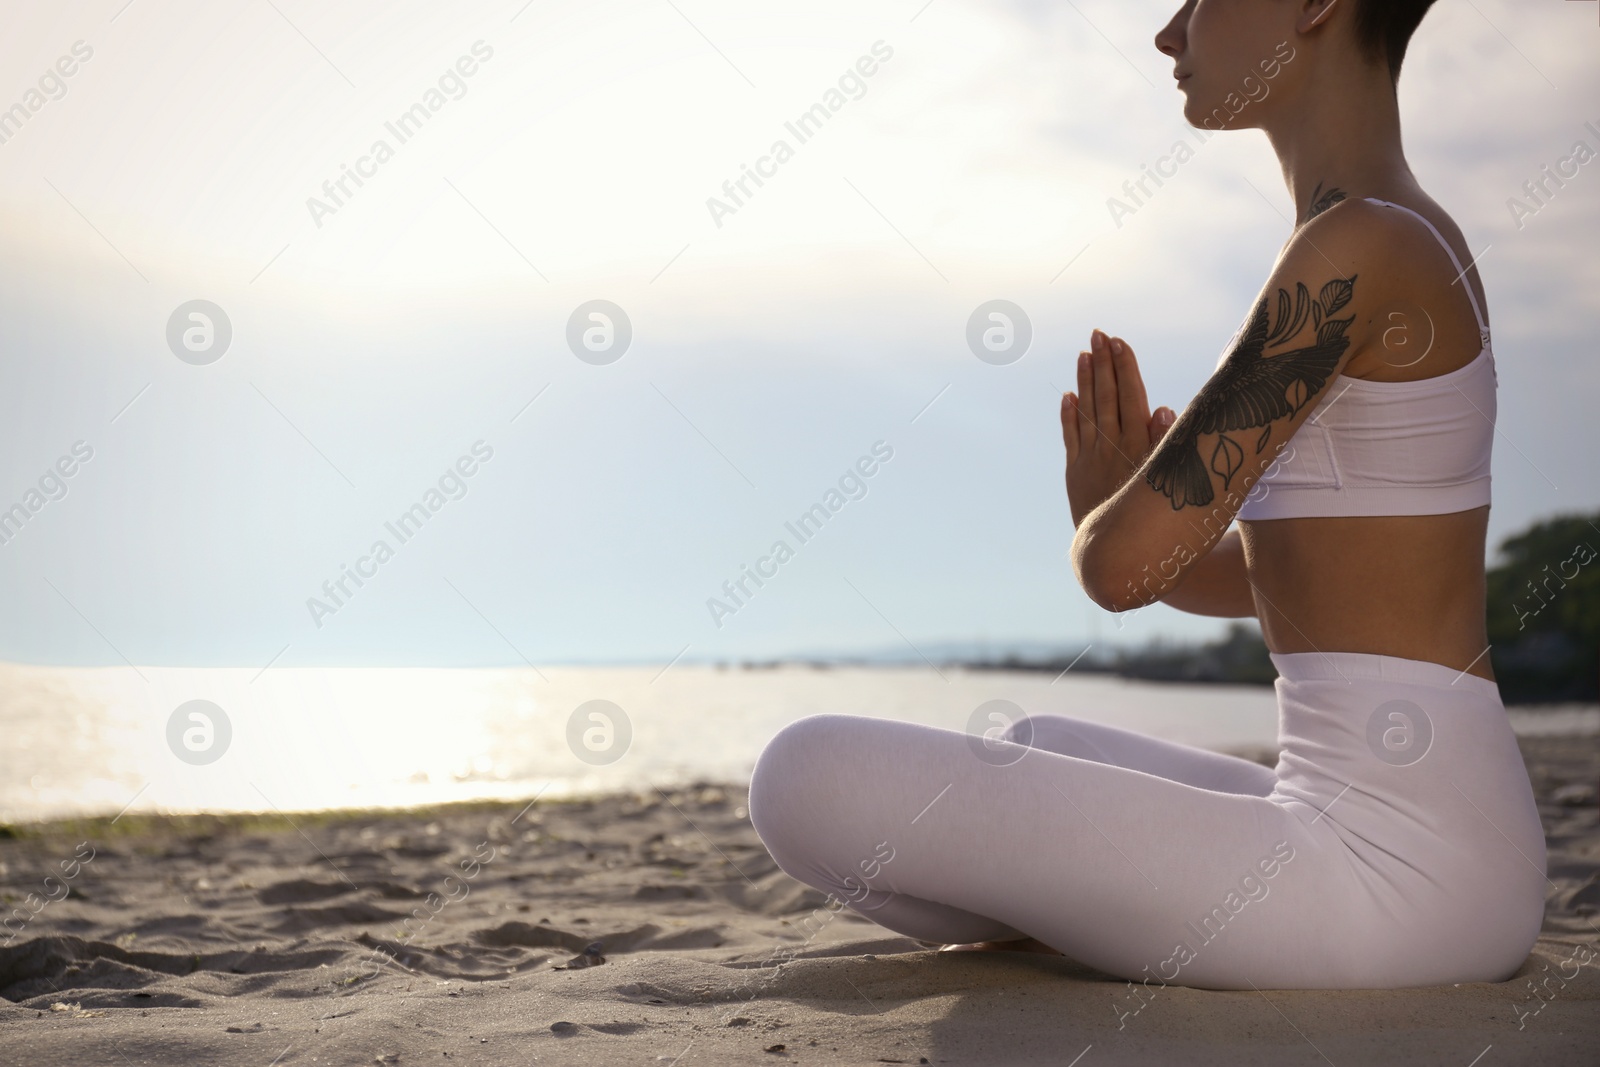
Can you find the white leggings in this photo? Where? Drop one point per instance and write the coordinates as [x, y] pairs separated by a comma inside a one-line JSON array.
[[1396, 843]]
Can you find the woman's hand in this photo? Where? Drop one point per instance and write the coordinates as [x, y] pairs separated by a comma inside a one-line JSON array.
[[1107, 424]]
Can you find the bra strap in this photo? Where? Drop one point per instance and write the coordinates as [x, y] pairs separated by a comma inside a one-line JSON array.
[[1461, 272]]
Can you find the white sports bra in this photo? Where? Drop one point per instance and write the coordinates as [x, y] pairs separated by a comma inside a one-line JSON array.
[[1418, 447]]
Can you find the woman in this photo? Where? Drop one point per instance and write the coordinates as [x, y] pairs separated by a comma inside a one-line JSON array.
[[1396, 843]]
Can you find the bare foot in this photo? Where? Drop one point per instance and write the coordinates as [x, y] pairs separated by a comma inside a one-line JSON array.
[[1025, 944]]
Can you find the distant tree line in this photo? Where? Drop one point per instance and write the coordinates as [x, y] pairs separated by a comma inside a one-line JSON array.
[[1544, 612]]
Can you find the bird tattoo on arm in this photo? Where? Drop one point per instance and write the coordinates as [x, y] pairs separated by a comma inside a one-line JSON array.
[[1251, 390]]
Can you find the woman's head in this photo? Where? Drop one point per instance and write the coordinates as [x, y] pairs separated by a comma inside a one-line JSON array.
[[1231, 56]]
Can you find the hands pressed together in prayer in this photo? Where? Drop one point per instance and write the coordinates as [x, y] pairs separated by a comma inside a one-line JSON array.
[[1107, 424]]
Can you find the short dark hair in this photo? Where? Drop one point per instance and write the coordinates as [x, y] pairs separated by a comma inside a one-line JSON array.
[[1384, 28]]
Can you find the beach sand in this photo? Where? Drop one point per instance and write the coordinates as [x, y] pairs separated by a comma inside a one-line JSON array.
[[248, 940]]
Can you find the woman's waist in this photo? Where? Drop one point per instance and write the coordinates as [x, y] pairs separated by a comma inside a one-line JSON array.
[[1389, 740], [1406, 761], [1389, 724], [1386, 638], [1375, 669], [1410, 586]]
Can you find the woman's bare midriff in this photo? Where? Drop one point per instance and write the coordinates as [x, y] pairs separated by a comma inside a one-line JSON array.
[[1398, 585]]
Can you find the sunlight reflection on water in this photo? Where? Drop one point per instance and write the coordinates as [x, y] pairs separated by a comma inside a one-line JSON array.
[[96, 741]]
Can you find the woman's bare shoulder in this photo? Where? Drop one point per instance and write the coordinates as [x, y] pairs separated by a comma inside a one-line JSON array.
[[1409, 278], [1401, 228]]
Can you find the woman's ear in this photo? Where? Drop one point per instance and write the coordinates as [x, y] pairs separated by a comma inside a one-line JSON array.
[[1316, 12]]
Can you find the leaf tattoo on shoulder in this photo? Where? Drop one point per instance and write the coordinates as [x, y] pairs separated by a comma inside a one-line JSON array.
[[1251, 390]]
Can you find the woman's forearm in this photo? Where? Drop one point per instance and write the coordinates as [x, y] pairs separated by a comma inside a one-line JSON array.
[[1217, 584]]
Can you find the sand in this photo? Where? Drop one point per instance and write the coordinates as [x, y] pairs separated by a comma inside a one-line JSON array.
[[248, 940]]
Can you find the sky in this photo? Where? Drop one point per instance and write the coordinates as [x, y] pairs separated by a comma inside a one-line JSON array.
[[418, 342]]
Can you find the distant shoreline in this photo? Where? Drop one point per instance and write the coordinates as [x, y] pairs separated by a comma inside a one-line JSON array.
[[1527, 673]]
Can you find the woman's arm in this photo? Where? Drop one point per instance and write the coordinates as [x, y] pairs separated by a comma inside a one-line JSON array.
[[1217, 584], [1175, 500]]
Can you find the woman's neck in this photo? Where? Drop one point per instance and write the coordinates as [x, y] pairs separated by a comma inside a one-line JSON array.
[[1343, 138]]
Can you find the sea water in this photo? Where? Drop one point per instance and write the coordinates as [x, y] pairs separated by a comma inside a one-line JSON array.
[[107, 740]]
